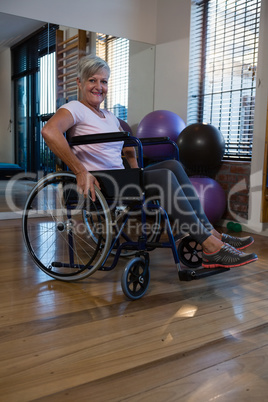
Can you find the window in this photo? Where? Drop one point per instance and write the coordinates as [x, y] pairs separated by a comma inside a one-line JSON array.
[[116, 52], [48, 84], [223, 63], [33, 74]]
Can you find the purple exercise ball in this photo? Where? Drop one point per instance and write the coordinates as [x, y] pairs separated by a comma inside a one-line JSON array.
[[160, 123], [212, 197], [125, 126]]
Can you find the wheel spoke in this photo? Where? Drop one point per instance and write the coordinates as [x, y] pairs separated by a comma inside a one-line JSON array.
[[55, 233]]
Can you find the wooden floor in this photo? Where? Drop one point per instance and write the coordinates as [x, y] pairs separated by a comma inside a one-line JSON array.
[[205, 340]]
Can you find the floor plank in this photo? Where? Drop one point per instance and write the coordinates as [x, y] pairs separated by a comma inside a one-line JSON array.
[[187, 341]]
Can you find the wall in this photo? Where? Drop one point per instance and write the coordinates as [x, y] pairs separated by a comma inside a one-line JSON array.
[[6, 137], [165, 22], [141, 82], [132, 19], [172, 56], [254, 223], [234, 178], [136, 20]]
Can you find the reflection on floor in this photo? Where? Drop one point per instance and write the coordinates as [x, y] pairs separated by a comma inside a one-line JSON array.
[[13, 194], [192, 341]]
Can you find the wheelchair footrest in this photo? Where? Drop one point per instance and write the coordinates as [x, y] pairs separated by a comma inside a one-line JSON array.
[[199, 273]]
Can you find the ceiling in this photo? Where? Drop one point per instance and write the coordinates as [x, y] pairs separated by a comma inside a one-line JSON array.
[[13, 29]]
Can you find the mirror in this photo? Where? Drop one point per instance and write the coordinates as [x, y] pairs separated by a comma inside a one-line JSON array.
[[140, 100]]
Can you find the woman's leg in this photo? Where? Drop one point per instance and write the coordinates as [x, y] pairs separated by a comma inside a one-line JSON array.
[[188, 189], [174, 190], [162, 183], [192, 197]]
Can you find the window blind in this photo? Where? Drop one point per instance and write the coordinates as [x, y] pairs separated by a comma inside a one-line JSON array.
[[47, 90], [26, 54], [222, 77], [33, 74], [116, 52]]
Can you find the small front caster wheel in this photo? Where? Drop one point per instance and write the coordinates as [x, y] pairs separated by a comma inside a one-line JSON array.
[[135, 279], [190, 252]]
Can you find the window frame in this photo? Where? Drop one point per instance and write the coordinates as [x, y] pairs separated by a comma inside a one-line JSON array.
[[115, 51], [201, 109], [30, 149]]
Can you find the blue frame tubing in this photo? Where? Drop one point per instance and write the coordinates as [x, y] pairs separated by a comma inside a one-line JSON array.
[[143, 246]]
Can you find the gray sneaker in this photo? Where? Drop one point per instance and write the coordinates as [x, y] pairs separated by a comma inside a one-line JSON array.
[[227, 257], [237, 242]]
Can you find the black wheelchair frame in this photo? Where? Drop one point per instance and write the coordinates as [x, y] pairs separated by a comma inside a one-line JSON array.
[[54, 211]]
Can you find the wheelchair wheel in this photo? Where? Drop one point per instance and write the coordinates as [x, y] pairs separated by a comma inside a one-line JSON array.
[[135, 279], [132, 229], [190, 252], [54, 231]]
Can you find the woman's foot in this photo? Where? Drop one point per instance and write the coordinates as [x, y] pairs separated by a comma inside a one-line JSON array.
[[218, 254], [237, 242], [212, 244], [227, 257]]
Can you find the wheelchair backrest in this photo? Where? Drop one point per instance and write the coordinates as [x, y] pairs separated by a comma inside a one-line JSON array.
[[121, 184]]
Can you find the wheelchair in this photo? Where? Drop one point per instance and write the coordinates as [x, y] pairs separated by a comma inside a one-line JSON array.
[[70, 237]]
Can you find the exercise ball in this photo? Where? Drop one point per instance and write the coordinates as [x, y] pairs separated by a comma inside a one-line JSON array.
[[201, 146], [211, 196], [125, 126], [160, 123]]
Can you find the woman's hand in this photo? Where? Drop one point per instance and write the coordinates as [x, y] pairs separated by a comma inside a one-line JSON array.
[[52, 132], [85, 184]]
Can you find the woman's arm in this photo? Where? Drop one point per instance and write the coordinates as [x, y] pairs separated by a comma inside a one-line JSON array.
[[53, 133], [130, 155]]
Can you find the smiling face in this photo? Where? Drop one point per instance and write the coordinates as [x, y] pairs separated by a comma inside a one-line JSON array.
[[94, 89]]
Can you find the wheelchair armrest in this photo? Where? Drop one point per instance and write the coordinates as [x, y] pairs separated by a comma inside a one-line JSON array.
[[97, 138], [154, 140], [160, 140], [123, 136]]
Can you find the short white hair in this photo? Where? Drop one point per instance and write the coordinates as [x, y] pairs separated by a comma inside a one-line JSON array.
[[89, 65]]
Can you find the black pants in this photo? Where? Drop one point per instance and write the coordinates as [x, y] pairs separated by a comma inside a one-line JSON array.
[[168, 182]]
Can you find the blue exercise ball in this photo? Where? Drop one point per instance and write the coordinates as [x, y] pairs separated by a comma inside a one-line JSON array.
[[160, 123], [211, 196], [201, 146]]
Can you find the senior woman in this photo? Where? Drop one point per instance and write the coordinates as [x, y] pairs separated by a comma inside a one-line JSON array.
[[178, 195]]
